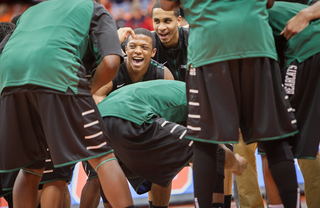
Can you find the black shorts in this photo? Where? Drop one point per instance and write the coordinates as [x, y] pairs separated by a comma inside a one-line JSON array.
[[245, 93], [155, 152], [34, 118], [302, 84], [50, 174]]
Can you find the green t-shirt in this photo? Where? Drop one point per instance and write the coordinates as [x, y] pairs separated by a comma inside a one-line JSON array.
[[304, 44], [50, 41], [227, 29], [140, 102]]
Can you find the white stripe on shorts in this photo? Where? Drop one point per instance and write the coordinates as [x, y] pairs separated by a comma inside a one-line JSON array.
[[289, 109], [48, 160], [193, 91], [91, 124], [182, 135], [194, 116], [172, 130], [48, 171], [194, 103], [294, 121], [164, 123], [191, 143], [93, 136], [194, 128], [96, 147], [88, 112]]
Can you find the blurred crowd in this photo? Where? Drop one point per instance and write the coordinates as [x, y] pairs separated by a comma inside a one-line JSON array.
[[127, 13]]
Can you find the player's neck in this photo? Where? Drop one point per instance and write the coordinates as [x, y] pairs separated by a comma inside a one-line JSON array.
[[136, 75]]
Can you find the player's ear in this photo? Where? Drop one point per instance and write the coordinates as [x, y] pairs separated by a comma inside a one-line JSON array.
[[153, 53], [179, 20], [125, 48]]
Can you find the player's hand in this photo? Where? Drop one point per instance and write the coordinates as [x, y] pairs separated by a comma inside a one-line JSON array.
[[295, 25], [97, 99], [123, 33]]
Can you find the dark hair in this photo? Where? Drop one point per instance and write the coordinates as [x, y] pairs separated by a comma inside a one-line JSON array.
[[145, 32], [15, 19], [157, 5], [5, 29]]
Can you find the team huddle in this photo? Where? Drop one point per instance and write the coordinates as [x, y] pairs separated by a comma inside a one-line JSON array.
[[138, 106]]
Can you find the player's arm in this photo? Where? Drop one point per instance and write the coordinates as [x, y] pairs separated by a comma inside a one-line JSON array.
[[270, 4], [167, 74], [299, 22], [102, 93], [170, 5], [106, 71]]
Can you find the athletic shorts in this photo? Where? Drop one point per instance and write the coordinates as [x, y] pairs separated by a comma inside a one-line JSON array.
[[155, 152], [50, 174], [245, 93], [302, 85], [34, 118]]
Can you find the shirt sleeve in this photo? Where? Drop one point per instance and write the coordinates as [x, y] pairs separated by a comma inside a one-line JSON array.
[[103, 33]]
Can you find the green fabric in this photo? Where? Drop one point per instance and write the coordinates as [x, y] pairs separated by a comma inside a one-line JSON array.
[[304, 44], [140, 102], [46, 51], [227, 29]]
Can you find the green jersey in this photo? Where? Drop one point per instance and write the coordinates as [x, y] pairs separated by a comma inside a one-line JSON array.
[[50, 41], [140, 102], [304, 44], [227, 29]]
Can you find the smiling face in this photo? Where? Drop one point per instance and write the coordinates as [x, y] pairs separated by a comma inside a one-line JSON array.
[[166, 24], [139, 52]]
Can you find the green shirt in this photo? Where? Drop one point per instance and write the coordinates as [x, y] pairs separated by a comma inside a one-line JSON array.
[[304, 44], [50, 41], [140, 102], [227, 29]]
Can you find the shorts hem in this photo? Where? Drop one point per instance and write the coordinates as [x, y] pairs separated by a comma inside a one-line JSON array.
[[5, 194], [21, 167], [210, 141], [272, 138], [7, 189], [82, 159], [92, 177]]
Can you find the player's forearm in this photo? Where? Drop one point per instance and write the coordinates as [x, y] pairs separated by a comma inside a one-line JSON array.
[[105, 72], [168, 5], [312, 12]]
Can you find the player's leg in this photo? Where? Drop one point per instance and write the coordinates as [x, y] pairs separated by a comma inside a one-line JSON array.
[[227, 183], [310, 170], [204, 172], [53, 194], [274, 199], [66, 198], [160, 195], [280, 161], [248, 186], [113, 180], [25, 190], [90, 194]]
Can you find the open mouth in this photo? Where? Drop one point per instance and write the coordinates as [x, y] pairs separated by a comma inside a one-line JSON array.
[[137, 61], [164, 36]]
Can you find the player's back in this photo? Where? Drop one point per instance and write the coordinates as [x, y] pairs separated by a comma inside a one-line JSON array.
[[226, 29], [47, 46], [139, 102]]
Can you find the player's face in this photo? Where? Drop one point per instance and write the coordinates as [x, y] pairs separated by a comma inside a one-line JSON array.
[[166, 26], [139, 52]]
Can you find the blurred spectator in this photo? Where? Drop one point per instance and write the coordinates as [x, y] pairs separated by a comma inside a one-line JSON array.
[[4, 13], [138, 19]]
